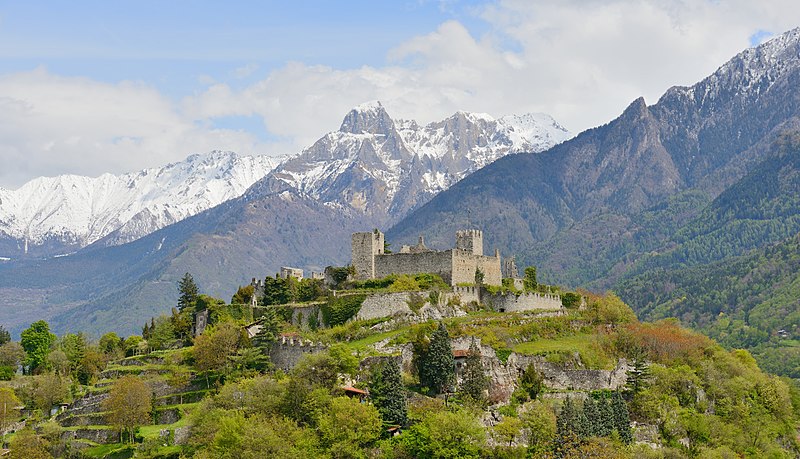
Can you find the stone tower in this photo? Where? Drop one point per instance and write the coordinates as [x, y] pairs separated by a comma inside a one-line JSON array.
[[470, 240], [365, 247]]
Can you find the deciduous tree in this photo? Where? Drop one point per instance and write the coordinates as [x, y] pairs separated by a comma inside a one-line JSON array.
[[129, 405], [9, 407], [36, 340]]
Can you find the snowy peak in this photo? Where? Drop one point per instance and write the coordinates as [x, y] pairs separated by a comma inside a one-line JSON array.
[[382, 168], [746, 77], [368, 118], [69, 212]]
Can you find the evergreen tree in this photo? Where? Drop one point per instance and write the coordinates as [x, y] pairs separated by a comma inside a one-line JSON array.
[[474, 381], [636, 378], [188, 292], [566, 418], [529, 282], [269, 331], [388, 394], [437, 367], [622, 420], [592, 417], [605, 416], [5, 336]]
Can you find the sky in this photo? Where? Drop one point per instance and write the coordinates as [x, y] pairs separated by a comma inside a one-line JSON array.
[[90, 87]]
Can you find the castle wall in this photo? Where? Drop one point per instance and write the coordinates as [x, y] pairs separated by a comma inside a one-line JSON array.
[[286, 352], [510, 302], [465, 264], [467, 294], [412, 263]]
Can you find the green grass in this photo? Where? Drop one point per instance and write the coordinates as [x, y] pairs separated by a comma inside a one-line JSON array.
[[586, 345], [363, 344]]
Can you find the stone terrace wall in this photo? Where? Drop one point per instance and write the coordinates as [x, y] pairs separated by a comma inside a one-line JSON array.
[[510, 302], [412, 263], [384, 305]]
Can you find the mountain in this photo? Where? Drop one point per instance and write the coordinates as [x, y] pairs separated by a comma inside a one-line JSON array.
[[674, 205], [58, 215], [585, 208], [380, 169], [300, 214]]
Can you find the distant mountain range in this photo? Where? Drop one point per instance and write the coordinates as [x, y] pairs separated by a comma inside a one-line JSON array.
[[371, 172], [58, 215]]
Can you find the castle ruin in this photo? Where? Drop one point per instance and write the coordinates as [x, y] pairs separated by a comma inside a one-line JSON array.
[[456, 266]]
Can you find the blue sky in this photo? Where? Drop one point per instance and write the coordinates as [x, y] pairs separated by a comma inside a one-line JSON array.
[[88, 87]]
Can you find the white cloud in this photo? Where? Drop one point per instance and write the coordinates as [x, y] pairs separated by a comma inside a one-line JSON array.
[[580, 61]]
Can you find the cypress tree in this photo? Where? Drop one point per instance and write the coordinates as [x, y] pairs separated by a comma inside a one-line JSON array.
[[474, 381], [388, 393], [437, 366], [622, 420], [188, 292]]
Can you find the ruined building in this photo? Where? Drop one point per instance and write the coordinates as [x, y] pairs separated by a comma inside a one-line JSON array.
[[456, 266]]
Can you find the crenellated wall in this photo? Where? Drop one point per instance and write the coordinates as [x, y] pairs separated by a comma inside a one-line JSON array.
[[287, 351]]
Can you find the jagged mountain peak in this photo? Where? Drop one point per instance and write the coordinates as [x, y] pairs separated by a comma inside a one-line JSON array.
[[368, 118]]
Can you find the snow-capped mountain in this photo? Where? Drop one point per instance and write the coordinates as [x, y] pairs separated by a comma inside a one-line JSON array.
[[383, 168], [59, 214]]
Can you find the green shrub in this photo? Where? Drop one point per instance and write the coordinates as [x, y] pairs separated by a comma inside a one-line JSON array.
[[339, 310]]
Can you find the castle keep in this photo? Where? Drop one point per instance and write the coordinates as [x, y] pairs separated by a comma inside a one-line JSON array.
[[457, 265]]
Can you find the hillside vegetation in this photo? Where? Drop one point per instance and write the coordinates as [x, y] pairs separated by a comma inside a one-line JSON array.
[[581, 382]]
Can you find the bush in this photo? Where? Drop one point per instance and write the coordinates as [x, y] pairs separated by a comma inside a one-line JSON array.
[[339, 310]]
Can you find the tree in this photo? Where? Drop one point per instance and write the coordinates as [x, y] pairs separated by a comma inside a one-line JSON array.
[[531, 382], [592, 416], [474, 381], [162, 333], [244, 295], [74, 347], [269, 331], [444, 434], [508, 429], [9, 407], [479, 276], [111, 345], [5, 336], [348, 426], [47, 390], [129, 404], [436, 365], [12, 355], [188, 292], [36, 340], [571, 421], [622, 421], [387, 393], [636, 377], [540, 421], [529, 282], [605, 416], [27, 445], [213, 348]]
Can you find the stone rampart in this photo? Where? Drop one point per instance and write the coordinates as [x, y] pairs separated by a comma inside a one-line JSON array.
[[287, 351], [437, 262], [510, 302], [467, 294]]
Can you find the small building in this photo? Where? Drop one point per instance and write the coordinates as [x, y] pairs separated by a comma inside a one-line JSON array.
[[287, 272]]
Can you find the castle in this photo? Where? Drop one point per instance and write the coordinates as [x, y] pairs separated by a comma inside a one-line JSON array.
[[456, 266]]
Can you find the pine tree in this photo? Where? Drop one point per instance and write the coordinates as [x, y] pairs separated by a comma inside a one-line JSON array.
[[622, 420], [188, 292], [437, 366], [474, 381], [636, 378], [388, 394], [565, 419]]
